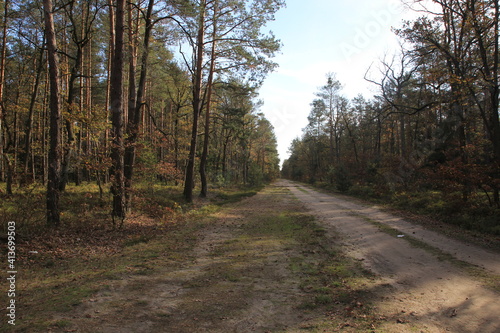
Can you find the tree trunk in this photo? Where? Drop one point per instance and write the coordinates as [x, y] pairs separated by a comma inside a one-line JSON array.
[[116, 104], [44, 121], [402, 135], [135, 116], [3, 56], [495, 92], [111, 52], [131, 127], [70, 135], [29, 177], [54, 157], [9, 174], [197, 106], [204, 155]]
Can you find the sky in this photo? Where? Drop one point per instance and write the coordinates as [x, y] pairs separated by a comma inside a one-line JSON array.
[[320, 37]]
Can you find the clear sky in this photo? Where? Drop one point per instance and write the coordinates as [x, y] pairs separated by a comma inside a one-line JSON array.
[[322, 36]]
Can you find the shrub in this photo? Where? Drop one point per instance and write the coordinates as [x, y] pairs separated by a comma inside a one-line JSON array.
[[362, 191], [342, 179]]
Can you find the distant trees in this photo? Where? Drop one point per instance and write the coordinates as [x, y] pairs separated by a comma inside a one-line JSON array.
[[433, 126], [229, 33], [128, 100]]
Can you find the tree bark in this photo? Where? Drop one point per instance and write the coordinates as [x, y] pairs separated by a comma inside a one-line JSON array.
[[29, 177], [135, 115], [197, 105], [204, 155], [116, 104], [130, 128], [3, 56], [70, 134], [54, 157]]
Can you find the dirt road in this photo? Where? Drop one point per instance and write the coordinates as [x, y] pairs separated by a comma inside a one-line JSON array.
[[432, 295], [266, 265]]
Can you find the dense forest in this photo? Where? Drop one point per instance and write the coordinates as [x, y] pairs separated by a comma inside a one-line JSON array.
[[429, 139], [114, 92]]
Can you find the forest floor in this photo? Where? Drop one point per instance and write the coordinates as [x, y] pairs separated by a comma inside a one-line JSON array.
[[289, 259]]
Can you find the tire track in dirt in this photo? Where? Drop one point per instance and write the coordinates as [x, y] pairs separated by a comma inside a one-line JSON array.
[[415, 289]]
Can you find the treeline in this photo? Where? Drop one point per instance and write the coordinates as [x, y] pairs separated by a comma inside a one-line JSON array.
[[430, 138], [110, 91]]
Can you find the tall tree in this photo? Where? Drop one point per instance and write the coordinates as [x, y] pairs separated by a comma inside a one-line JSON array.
[[53, 213], [485, 18], [3, 58], [204, 154], [330, 95], [29, 176], [232, 29], [198, 45], [116, 104], [136, 103], [82, 15]]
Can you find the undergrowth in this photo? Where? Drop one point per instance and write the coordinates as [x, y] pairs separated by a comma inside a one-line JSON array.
[[474, 220]]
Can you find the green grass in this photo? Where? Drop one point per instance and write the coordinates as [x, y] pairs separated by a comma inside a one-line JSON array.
[[302, 190], [231, 195], [328, 278]]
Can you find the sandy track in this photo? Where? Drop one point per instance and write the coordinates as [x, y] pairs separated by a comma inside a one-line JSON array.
[[424, 293], [231, 281], [237, 279]]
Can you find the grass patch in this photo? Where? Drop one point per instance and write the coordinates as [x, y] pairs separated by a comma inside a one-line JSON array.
[[232, 195], [330, 280], [302, 189]]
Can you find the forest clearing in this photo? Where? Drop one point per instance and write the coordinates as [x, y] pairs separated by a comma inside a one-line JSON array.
[[288, 259]]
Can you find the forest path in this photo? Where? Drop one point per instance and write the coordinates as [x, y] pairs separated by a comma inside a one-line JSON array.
[[237, 278], [265, 265], [414, 281]]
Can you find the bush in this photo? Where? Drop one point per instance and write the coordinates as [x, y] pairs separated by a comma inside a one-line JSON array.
[[362, 191], [342, 179]]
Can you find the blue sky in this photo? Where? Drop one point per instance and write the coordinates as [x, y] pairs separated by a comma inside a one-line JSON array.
[[322, 36]]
